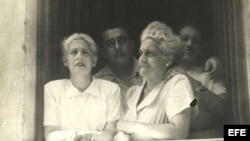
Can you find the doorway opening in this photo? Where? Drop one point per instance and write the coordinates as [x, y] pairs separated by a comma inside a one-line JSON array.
[[60, 18]]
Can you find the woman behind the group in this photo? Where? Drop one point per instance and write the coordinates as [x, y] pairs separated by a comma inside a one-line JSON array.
[[82, 107], [210, 90], [160, 107]]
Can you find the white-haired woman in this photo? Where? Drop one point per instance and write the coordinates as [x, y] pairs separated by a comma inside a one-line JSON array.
[[80, 108], [160, 107]]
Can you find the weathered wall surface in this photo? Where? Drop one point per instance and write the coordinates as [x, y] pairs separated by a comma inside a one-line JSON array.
[[17, 69]]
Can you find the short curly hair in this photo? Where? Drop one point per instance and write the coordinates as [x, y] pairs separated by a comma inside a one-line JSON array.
[[169, 43], [81, 36]]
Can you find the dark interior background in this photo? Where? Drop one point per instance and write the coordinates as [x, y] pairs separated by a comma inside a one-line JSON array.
[[88, 16], [60, 18]]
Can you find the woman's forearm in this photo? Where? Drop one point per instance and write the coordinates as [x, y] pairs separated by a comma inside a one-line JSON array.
[[107, 134], [104, 136], [146, 130], [178, 128], [157, 131], [60, 135]]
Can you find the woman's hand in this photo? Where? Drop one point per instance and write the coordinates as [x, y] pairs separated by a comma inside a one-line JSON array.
[[85, 137], [68, 136], [62, 136], [121, 136]]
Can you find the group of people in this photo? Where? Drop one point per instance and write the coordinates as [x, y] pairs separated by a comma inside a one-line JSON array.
[[165, 94]]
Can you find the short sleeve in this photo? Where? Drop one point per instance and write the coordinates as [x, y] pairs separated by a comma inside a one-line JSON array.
[[114, 110], [180, 96], [50, 112]]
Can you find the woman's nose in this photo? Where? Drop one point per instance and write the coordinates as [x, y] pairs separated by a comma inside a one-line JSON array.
[[80, 56], [142, 59]]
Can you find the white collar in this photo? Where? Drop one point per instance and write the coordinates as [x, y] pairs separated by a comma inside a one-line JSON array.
[[91, 89]]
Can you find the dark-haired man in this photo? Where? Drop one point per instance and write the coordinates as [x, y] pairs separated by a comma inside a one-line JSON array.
[[117, 49]]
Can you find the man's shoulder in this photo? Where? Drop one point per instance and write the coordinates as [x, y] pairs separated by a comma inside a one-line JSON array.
[[101, 72], [106, 74], [105, 83]]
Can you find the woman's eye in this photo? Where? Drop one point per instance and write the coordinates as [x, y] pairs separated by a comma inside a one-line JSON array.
[[149, 53], [85, 52], [73, 52]]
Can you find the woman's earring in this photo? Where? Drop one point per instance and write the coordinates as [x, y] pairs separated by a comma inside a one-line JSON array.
[[167, 65]]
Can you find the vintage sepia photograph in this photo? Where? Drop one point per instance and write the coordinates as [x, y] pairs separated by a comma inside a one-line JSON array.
[[124, 70]]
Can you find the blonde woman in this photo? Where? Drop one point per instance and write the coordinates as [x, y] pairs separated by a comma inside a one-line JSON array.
[[82, 107]]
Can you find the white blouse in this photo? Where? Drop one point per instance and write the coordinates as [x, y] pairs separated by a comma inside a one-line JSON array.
[[166, 100], [65, 106]]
